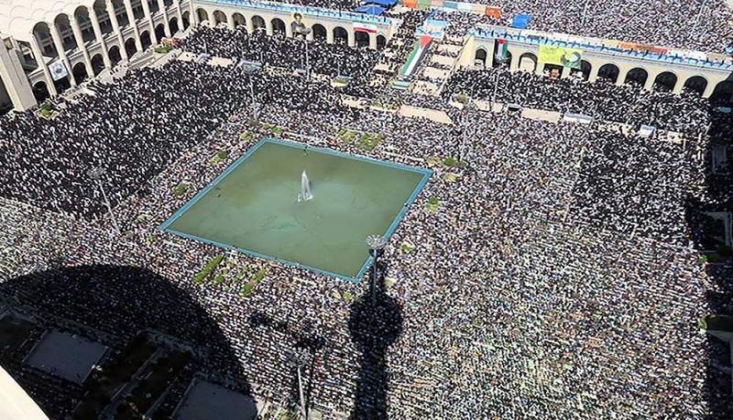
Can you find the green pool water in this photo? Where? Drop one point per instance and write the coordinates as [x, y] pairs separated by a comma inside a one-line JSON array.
[[253, 206]]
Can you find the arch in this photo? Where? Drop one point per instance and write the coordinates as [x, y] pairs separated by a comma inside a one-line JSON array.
[[103, 17], [40, 91], [278, 26], [585, 69], [609, 71], [6, 104], [43, 34], [340, 35], [362, 39], [665, 81], [202, 15], [62, 84], [137, 10], [552, 70], [381, 42], [258, 22], [114, 53], [159, 33], [319, 31], [81, 15], [239, 20], [145, 40], [219, 17], [130, 47], [723, 93], [506, 60], [186, 20], [173, 24], [80, 72], [121, 12], [696, 84], [528, 62], [63, 25], [98, 63], [479, 58], [636, 75], [153, 6]]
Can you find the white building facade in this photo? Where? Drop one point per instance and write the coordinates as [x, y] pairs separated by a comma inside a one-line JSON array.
[[49, 46]]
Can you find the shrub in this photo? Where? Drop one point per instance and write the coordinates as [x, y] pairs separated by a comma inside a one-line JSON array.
[[163, 49], [222, 154], [207, 270], [433, 200], [180, 189], [249, 287], [369, 142], [449, 161], [407, 247], [348, 297], [703, 259]]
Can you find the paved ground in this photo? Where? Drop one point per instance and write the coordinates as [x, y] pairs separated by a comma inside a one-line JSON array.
[[66, 356], [209, 401]]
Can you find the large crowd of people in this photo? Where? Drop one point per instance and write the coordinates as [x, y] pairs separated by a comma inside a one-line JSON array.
[[702, 25], [157, 116], [330, 60], [696, 25], [549, 272], [603, 99]]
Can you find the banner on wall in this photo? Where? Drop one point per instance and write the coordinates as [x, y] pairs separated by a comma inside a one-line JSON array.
[[298, 25], [493, 12], [561, 56], [58, 70], [364, 27], [501, 50]]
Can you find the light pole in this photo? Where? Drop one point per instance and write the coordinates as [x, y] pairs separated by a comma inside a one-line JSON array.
[[297, 358], [252, 71], [305, 31], [376, 245], [96, 174]]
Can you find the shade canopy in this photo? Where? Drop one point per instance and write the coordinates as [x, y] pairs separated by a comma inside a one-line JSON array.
[[370, 10], [385, 3]]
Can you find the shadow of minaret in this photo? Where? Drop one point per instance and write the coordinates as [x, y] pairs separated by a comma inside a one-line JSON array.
[[373, 329]]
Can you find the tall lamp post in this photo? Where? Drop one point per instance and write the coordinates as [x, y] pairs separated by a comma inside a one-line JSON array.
[[297, 358], [376, 245], [305, 31], [96, 174]]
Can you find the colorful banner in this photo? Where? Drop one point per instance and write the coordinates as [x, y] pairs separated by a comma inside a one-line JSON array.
[[493, 12], [298, 25], [561, 56], [364, 27], [502, 50]]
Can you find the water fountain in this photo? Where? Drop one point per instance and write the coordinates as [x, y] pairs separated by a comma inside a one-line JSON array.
[[305, 188]]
